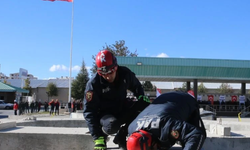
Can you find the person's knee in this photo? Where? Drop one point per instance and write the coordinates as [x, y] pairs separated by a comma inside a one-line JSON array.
[[110, 125]]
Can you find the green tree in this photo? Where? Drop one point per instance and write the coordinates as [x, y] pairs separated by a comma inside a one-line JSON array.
[[51, 90], [27, 86], [148, 86], [183, 88], [118, 49], [79, 84], [225, 88], [202, 88]]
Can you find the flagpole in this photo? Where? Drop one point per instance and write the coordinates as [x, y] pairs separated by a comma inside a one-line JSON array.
[[71, 47]]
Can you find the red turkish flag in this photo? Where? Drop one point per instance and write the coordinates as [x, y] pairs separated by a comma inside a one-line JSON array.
[[191, 92], [234, 98], [158, 92], [211, 99]]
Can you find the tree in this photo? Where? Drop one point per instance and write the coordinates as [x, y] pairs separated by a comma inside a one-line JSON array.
[[118, 49], [51, 90], [202, 88], [183, 88], [79, 84], [225, 88], [27, 86], [148, 86]]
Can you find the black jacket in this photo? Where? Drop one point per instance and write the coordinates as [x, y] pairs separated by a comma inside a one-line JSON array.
[[168, 119], [102, 97]]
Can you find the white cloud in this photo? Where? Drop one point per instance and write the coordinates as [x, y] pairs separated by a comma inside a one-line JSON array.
[[64, 68], [57, 68], [76, 68], [162, 55]]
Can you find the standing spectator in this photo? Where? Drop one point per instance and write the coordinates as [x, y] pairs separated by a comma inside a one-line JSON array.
[[78, 105], [27, 106], [73, 106], [32, 105], [22, 107], [57, 104], [39, 105], [52, 106], [46, 106], [81, 104], [36, 106], [15, 107]]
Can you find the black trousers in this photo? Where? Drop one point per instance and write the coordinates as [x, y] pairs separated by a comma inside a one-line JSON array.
[[111, 123], [15, 112]]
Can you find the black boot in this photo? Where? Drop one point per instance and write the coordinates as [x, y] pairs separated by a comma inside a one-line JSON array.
[[120, 138]]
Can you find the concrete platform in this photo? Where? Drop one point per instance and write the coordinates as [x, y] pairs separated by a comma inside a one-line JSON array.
[[7, 125], [62, 132]]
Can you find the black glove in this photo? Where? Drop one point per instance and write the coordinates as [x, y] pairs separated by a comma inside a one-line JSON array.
[[143, 98], [143, 102]]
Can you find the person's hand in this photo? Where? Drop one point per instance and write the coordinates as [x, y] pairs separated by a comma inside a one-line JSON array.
[[142, 103], [100, 144], [143, 98]]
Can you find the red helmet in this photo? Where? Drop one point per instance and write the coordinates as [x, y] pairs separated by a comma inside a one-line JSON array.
[[105, 61], [139, 140]]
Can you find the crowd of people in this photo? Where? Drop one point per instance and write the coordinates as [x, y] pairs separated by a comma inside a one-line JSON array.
[[25, 107], [76, 105], [54, 107]]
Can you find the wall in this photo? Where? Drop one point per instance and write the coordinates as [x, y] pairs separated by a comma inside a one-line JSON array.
[[41, 94]]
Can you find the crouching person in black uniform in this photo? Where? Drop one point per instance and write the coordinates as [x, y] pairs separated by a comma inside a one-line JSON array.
[[171, 117], [106, 109]]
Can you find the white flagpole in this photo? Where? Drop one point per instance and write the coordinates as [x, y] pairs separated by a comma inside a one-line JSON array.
[[71, 47]]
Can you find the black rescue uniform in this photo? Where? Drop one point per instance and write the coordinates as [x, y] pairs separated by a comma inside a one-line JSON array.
[[103, 100], [172, 117]]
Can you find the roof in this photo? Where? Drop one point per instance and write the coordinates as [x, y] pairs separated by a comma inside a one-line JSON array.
[[187, 69], [9, 88], [34, 83], [63, 83]]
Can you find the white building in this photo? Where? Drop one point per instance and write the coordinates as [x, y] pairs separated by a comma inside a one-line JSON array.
[[17, 76]]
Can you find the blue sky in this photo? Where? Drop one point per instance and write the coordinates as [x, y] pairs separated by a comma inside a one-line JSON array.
[[35, 34]]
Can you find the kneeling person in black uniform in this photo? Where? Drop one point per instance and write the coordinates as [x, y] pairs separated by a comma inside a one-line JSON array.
[[171, 117], [106, 107]]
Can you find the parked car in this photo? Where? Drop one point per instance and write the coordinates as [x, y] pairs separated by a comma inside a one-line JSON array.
[[4, 105]]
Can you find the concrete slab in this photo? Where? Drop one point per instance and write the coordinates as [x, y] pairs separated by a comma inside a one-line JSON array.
[[76, 115], [7, 125], [40, 138], [76, 137]]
